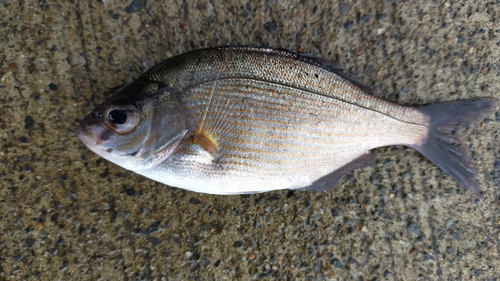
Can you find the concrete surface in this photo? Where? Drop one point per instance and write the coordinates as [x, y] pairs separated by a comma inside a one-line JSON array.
[[67, 214]]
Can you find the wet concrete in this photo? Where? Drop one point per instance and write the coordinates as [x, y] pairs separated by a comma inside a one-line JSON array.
[[67, 214]]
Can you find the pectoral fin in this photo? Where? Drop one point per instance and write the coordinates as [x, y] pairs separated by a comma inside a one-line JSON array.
[[212, 131], [330, 181], [207, 143]]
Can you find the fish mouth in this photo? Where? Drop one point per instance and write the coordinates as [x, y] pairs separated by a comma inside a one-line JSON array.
[[88, 136], [94, 138], [82, 129]]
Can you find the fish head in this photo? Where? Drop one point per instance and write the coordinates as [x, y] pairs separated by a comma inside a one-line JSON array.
[[133, 129]]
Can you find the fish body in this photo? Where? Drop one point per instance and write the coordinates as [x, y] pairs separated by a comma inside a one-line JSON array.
[[236, 120]]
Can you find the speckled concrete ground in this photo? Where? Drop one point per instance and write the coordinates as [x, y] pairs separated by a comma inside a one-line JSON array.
[[67, 214]]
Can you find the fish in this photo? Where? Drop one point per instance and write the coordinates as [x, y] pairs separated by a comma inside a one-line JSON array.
[[242, 120]]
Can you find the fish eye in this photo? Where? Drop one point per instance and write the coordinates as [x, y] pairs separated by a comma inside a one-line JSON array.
[[118, 116], [122, 117]]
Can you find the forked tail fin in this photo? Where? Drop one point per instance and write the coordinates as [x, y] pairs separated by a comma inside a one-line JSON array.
[[443, 147]]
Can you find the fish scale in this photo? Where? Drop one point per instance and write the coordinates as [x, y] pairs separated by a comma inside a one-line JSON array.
[[275, 66], [232, 120], [250, 149], [336, 118]]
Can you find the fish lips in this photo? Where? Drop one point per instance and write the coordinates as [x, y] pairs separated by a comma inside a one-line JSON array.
[[92, 131]]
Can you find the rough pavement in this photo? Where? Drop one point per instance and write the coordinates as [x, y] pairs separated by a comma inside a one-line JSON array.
[[67, 214]]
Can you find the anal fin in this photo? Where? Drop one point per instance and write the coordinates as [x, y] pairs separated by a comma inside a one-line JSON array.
[[331, 180]]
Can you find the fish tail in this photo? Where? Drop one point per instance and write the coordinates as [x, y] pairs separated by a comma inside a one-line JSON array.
[[443, 147]]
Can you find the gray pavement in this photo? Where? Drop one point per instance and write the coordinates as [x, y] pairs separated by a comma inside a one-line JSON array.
[[66, 214]]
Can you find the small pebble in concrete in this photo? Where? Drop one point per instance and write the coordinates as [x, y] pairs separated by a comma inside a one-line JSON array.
[[337, 263], [381, 17], [315, 10], [54, 217], [450, 224], [345, 8], [154, 227], [29, 122], [30, 242], [389, 163], [154, 241], [450, 250], [413, 228], [366, 18], [271, 27], [194, 201], [130, 191], [134, 7], [19, 258], [64, 178]]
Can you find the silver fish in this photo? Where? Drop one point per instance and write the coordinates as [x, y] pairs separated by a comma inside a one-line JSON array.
[[235, 120]]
